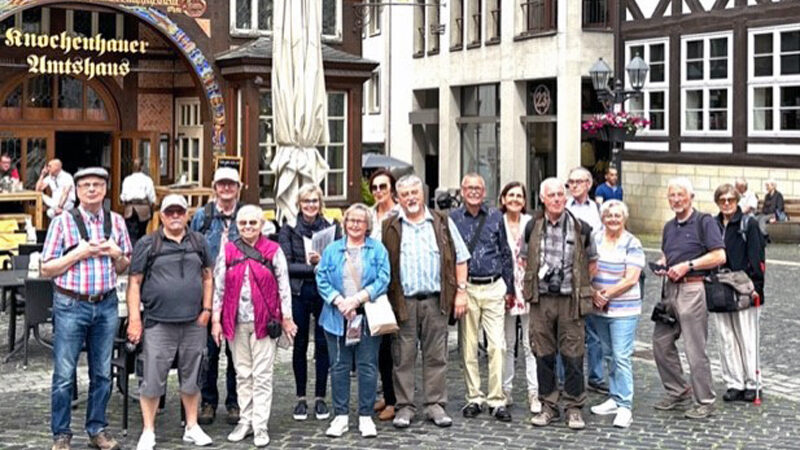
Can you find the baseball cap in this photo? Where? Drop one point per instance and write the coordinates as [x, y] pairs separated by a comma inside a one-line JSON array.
[[173, 200], [90, 172], [226, 173]]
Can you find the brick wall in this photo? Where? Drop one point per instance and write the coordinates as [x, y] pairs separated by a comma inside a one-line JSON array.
[[155, 113]]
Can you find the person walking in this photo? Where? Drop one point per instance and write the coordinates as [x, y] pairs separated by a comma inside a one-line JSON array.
[[171, 277], [83, 252], [617, 305], [353, 270], [252, 307]]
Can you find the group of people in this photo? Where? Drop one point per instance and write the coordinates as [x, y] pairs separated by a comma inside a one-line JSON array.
[[567, 276]]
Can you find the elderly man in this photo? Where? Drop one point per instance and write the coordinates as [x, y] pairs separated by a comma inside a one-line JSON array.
[[748, 200], [61, 185], [490, 281], [691, 244], [428, 284], [561, 256], [138, 195], [579, 184], [171, 274], [84, 251], [216, 222], [610, 190]]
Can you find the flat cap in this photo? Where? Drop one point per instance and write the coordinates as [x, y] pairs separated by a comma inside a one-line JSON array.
[[91, 172]]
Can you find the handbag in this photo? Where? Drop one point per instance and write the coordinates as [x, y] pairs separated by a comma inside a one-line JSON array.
[[380, 317], [728, 291]]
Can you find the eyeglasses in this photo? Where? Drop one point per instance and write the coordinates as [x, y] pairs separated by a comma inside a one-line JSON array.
[[473, 188], [724, 200], [95, 185], [244, 223], [172, 212], [380, 187], [227, 184], [356, 221], [408, 193], [309, 201], [574, 182]]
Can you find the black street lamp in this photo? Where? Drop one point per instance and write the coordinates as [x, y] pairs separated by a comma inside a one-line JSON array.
[[600, 73]]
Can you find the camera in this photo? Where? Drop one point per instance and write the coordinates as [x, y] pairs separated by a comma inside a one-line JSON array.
[[274, 329], [554, 278], [661, 314]]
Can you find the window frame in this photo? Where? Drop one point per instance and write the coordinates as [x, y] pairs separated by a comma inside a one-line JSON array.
[[649, 86], [774, 82], [707, 84], [375, 92], [254, 31], [119, 25], [44, 24]]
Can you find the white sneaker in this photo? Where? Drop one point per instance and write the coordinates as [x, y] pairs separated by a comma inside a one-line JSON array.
[[339, 425], [367, 427], [147, 440], [533, 401], [197, 436], [624, 418], [603, 409], [241, 431], [261, 438]]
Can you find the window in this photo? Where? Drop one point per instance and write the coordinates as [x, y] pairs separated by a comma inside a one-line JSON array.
[[30, 21], [419, 28], [375, 92], [493, 21], [92, 23], [436, 28], [474, 19], [706, 84], [480, 134], [189, 132], [538, 16], [652, 104], [595, 14], [375, 17], [456, 24], [254, 18], [335, 153], [774, 81]]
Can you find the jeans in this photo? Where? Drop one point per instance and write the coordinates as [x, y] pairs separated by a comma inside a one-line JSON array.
[[594, 353], [76, 322], [210, 393], [305, 305], [617, 335], [365, 355]]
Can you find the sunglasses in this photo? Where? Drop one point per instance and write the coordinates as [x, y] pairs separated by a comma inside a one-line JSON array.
[[724, 200], [172, 212], [380, 187], [244, 223]]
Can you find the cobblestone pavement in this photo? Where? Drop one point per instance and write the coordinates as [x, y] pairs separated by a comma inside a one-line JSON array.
[[25, 403]]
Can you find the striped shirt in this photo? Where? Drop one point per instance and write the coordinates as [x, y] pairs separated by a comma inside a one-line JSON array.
[[420, 262], [89, 276], [611, 266]]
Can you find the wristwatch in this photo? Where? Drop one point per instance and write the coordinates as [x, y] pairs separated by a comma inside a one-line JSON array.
[[691, 265], [207, 309], [461, 286]]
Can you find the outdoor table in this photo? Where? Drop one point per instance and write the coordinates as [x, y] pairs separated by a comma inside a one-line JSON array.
[[27, 196]]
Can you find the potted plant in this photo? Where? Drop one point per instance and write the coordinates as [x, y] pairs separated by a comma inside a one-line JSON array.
[[614, 126]]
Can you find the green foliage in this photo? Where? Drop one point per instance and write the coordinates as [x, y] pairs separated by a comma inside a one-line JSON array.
[[366, 195]]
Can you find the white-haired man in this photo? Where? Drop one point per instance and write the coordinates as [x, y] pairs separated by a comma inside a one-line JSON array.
[[691, 244], [748, 200]]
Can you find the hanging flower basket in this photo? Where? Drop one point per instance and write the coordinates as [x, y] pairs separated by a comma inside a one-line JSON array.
[[614, 127]]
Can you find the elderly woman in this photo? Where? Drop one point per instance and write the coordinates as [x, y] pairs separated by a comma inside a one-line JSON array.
[[744, 247], [354, 270], [252, 306], [618, 304], [305, 299], [513, 201], [773, 209], [382, 186]]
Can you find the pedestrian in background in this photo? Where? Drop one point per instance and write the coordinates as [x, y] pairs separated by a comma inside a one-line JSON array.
[[748, 201], [61, 186], [138, 196], [617, 305], [611, 189], [353, 270]]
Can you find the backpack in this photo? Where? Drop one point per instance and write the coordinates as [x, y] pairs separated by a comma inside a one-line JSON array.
[[208, 216], [83, 231], [251, 253], [195, 240], [745, 222]]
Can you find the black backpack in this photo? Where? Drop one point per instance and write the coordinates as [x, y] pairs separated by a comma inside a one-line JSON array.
[[745, 222], [208, 216], [84, 232], [195, 240]]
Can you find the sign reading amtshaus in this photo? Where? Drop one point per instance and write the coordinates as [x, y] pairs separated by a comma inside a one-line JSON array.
[[86, 66]]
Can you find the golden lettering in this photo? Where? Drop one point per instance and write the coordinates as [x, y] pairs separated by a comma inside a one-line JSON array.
[[144, 45], [13, 37], [134, 46], [124, 68], [41, 40], [33, 61], [76, 43]]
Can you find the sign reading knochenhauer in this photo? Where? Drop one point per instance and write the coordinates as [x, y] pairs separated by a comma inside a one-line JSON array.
[[42, 64]]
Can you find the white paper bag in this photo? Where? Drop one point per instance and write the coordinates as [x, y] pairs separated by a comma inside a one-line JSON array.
[[380, 317]]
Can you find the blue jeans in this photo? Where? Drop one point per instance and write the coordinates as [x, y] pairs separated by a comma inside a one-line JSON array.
[[305, 305], [365, 354], [76, 322], [594, 352], [617, 335]]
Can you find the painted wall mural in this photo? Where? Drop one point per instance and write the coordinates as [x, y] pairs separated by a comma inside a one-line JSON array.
[[182, 41]]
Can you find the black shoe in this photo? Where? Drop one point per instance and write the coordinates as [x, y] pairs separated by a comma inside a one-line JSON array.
[[233, 415], [472, 410], [500, 413], [300, 411], [321, 409], [733, 395], [207, 414], [750, 395], [601, 387]]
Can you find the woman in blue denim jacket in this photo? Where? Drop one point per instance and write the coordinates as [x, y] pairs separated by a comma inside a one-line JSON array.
[[353, 271]]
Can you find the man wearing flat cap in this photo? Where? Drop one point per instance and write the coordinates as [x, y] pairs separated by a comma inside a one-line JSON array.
[[171, 275], [84, 251]]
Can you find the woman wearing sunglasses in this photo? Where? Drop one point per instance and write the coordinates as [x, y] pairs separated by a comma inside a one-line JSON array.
[[252, 307], [382, 186], [305, 299]]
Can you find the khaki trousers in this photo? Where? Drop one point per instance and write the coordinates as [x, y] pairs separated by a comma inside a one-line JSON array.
[[687, 301], [486, 310], [254, 360], [427, 325]]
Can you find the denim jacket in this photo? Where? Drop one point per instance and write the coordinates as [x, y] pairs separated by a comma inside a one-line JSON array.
[[374, 279], [214, 233]]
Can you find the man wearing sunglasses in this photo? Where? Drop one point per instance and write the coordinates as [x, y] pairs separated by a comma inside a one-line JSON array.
[[171, 275]]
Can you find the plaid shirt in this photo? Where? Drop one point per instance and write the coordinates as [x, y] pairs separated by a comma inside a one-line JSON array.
[[92, 275]]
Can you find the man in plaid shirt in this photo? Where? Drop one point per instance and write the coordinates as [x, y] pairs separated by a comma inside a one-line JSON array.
[[84, 265]]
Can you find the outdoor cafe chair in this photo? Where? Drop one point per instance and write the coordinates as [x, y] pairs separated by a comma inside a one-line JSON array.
[[38, 310]]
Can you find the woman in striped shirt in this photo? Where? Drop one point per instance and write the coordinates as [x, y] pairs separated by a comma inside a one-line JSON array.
[[618, 303]]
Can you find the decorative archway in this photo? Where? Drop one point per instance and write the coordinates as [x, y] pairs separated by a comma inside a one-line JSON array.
[[203, 72]]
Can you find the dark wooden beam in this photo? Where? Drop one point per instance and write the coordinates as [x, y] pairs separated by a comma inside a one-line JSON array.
[[661, 8], [739, 122], [720, 4], [636, 13], [695, 6]]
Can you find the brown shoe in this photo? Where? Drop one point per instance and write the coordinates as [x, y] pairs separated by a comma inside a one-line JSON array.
[[61, 442], [103, 441], [207, 413], [233, 415], [387, 413], [379, 405]]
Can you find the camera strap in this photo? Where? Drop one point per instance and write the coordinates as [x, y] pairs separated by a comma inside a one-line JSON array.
[[474, 240]]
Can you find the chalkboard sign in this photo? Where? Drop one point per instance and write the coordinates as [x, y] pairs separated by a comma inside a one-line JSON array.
[[234, 162]]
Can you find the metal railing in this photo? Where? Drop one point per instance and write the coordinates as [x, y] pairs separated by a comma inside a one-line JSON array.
[[538, 16]]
